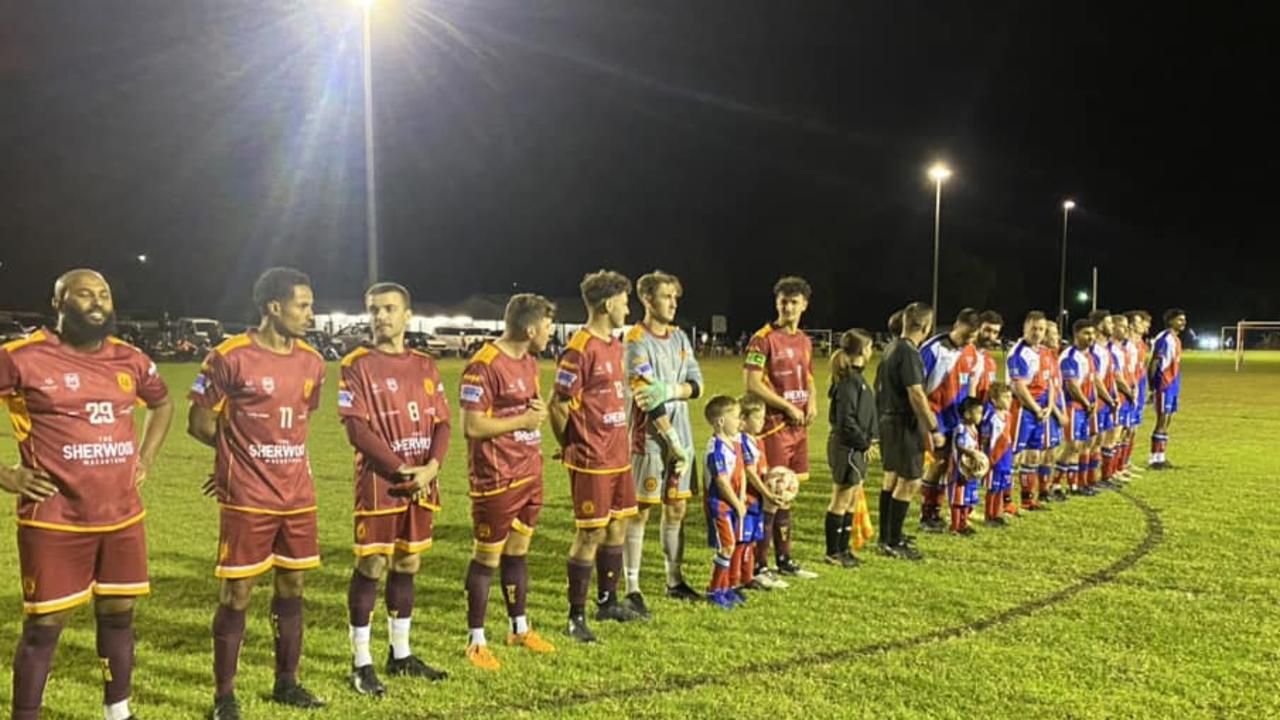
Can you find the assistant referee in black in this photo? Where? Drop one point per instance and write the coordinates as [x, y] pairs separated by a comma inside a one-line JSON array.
[[907, 427]]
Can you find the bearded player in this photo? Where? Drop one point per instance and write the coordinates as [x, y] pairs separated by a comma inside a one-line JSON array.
[[72, 392], [252, 402], [779, 368], [664, 375], [589, 418], [392, 403]]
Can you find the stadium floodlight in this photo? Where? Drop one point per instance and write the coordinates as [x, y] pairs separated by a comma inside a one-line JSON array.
[[142, 258], [1082, 297], [1067, 206], [370, 170], [938, 173]]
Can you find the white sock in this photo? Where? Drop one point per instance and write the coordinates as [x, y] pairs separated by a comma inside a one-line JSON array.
[[475, 636], [360, 645], [671, 552], [398, 631], [632, 551], [519, 624], [118, 711]]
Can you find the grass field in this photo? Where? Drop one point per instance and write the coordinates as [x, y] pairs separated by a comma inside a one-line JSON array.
[[1156, 603]]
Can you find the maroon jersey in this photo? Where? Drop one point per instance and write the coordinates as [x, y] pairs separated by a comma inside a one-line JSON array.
[[786, 359], [591, 374], [72, 415], [402, 398], [263, 400], [501, 386]]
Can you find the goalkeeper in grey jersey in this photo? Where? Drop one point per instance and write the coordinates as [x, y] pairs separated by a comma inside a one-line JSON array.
[[663, 374]]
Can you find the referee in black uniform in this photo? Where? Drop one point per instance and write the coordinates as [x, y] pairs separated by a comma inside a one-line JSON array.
[[907, 427]]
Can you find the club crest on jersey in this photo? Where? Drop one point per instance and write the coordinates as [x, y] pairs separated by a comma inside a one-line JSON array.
[[268, 385], [125, 381], [429, 386], [790, 353], [392, 384], [71, 380], [307, 387]]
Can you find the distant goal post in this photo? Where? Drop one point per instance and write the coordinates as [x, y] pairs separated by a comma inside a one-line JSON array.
[[1246, 326]]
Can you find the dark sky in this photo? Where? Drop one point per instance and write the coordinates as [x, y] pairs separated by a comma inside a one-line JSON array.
[[529, 141]]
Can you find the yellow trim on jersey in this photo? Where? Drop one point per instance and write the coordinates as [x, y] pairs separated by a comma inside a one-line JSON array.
[[607, 471], [303, 344], [239, 572], [593, 523], [764, 331], [19, 416], [264, 511], [296, 563], [378, 513], [498, 491], [354, 355], [801, 477], [636, 333], [38, 336], [579, 341], [117, 341], [83, 528], [488, 547], [232, 343], [624, 513], [767, 433], [63, 603], [485, 355], [649, 500], [519, 527]]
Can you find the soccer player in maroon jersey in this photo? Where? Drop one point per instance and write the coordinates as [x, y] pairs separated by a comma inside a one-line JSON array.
[[502, 416], [589, 418], [779, 368], [251, 402], [71, 394], [392, 403]]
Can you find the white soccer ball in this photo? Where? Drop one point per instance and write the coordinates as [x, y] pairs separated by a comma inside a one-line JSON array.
[[783, 482]]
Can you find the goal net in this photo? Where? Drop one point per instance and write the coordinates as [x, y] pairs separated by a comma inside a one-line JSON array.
[[1255, 335], [822, 341]]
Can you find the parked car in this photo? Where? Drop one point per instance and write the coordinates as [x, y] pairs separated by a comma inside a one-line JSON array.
[[199, 331], [462, 341], [11, 330], [351, 337], [425, 342], [323, 343]]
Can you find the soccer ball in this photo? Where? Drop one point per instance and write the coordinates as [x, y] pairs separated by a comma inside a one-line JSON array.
[[783, 482], [975, 468]]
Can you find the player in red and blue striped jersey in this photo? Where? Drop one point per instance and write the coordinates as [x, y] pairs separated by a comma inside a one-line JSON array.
[[1049, 350], [1031, 378], [1104, 381], [996, 432], [726, 492], [1078, 374], [1139, 325], [950, 362], [1165, 374]]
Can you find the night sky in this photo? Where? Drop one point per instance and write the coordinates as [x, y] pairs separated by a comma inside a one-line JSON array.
[[521, 143]]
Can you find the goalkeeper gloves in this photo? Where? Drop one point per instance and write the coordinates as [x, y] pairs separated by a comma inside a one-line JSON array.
[[654, 395]]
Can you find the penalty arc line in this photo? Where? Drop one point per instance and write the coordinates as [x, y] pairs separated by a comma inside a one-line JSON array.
[[1153, 537]]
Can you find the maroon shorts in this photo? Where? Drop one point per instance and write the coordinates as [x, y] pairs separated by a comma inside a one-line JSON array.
[[62, 569], [406, 530], [251, 543], [789, 448], [497, 513], [601, 497]]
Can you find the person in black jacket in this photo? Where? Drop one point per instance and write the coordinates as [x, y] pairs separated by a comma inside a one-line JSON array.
[[854, 428]]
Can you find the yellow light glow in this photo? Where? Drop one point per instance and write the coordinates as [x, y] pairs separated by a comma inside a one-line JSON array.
[[1069, 205], [939, 172]]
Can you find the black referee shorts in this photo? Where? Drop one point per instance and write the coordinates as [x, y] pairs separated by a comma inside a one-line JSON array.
[[902, 447]]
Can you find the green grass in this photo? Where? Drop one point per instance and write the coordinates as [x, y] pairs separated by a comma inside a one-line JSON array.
[[1034, 621]]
